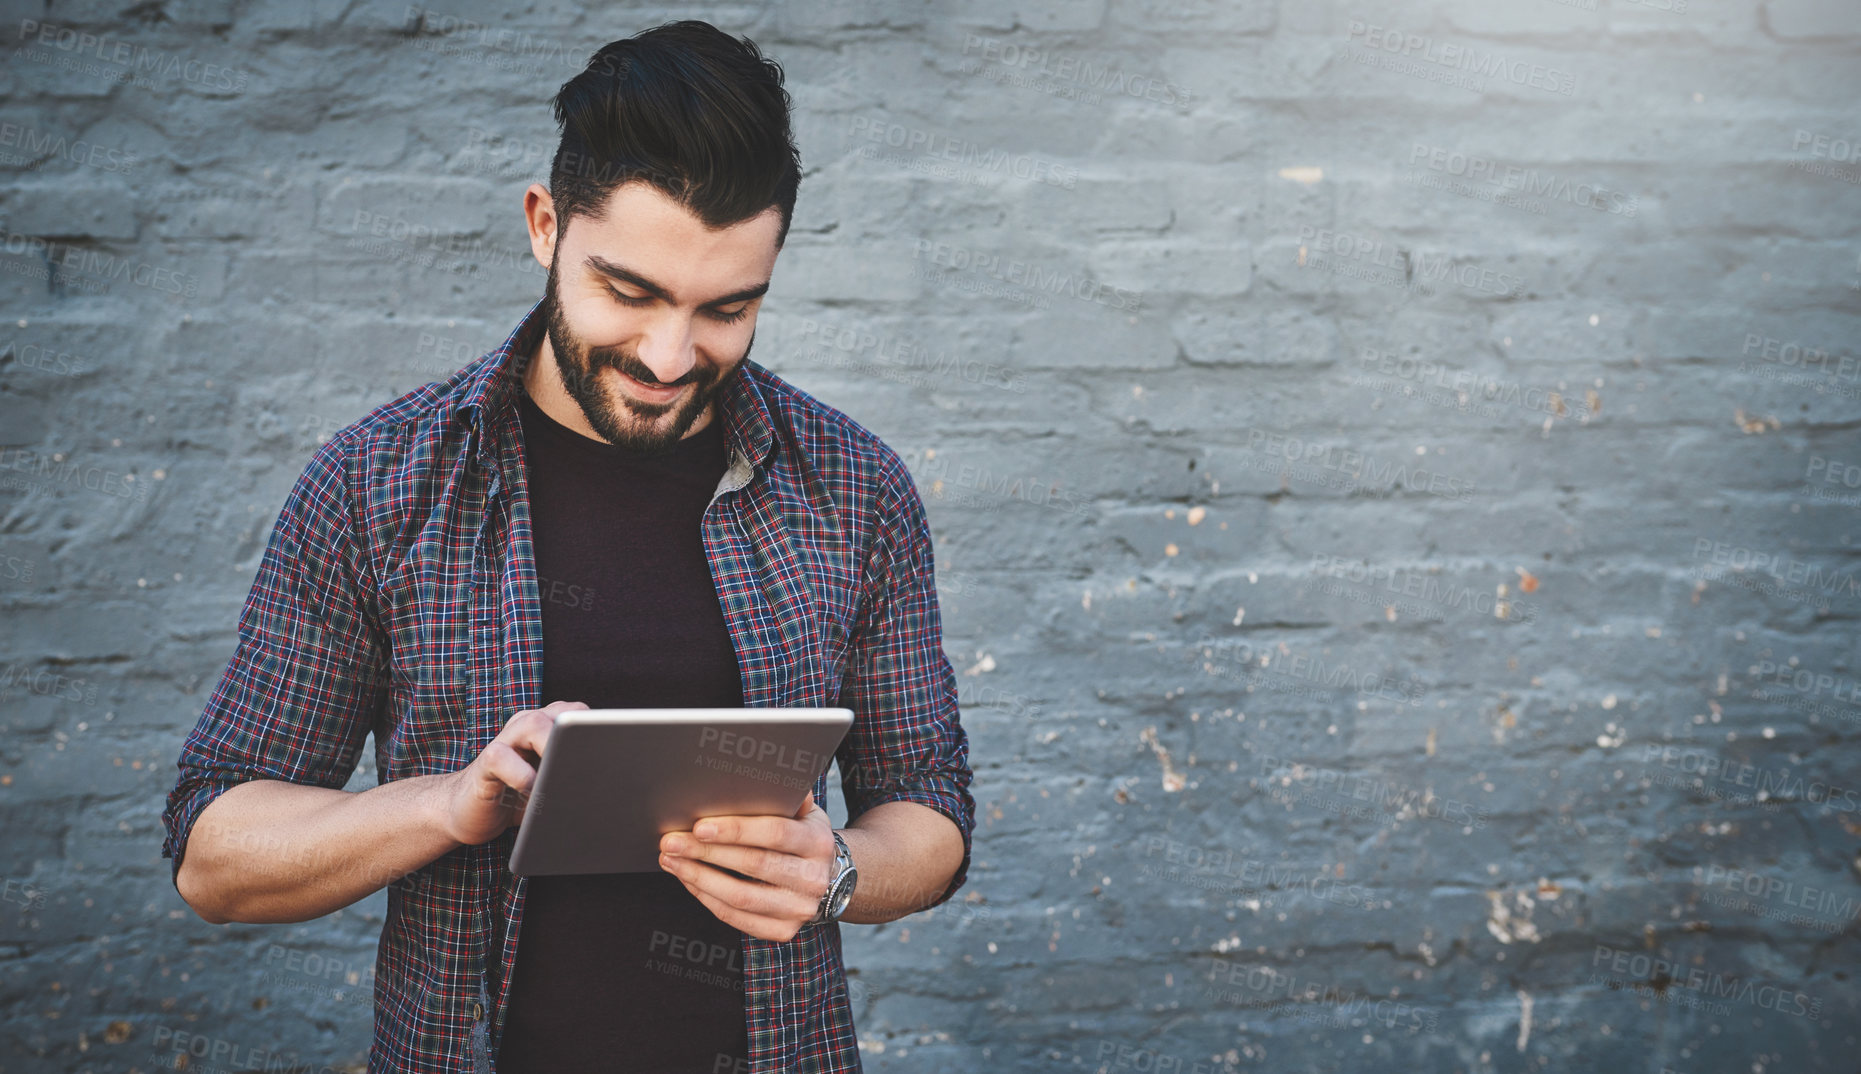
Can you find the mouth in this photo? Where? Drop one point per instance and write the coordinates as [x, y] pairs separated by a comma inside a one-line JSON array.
[[652, 393]]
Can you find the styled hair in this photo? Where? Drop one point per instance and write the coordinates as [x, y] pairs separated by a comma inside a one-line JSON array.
[[683, 106]]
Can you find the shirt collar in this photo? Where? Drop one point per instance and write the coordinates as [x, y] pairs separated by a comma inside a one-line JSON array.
[[493, 378]]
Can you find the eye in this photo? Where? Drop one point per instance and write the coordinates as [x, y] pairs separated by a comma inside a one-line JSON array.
[[730, 318], [629, 299]]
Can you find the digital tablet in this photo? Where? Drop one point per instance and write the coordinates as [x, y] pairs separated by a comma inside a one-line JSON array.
[[614, 781]]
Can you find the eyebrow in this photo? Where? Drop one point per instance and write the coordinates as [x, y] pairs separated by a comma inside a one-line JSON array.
[[626, 275]]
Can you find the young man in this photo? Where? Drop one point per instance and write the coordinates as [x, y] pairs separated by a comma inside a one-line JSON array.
[[616, 508]]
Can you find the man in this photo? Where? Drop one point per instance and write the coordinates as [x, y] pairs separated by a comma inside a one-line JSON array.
[[615, 508]]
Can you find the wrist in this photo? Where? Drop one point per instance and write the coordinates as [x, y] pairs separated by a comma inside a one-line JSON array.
[[842, 879], [435, 802]]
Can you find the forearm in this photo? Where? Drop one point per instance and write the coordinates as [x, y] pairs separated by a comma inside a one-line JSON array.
[[906, 854], [268, 851]]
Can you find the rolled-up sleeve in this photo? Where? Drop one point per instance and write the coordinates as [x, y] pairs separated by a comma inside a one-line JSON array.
[[309, 676], [907, 742]]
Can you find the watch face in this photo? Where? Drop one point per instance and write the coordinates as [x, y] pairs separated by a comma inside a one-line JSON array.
[[841, 891]]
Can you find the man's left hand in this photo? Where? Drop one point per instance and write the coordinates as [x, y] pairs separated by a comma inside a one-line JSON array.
[[764, 875]]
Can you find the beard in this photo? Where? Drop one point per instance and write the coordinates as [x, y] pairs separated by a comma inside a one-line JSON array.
[[638, 429]]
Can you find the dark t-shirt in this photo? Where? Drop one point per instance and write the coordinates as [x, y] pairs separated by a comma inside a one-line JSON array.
[[625, 971]]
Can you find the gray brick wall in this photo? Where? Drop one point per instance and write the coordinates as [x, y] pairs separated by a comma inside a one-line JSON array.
[[1393, 469]]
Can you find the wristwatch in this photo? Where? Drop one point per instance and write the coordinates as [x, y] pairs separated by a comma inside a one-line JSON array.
[[840, 890]]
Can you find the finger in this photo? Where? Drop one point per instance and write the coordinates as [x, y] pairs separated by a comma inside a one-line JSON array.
[[761, 925], [532, 735], [749, 896], [766, 928], [785, 834], [531, 728], [505, 770], [543, 717], [808, 877]]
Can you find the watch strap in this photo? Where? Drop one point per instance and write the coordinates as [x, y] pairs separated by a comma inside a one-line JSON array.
[[843, 861]]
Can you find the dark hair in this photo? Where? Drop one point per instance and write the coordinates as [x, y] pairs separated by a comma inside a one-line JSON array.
[[687, 108]]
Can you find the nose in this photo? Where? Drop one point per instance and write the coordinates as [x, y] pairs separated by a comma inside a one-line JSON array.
[[667, 349]]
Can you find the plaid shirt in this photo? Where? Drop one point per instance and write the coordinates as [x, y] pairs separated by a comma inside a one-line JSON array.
[[398, 595]]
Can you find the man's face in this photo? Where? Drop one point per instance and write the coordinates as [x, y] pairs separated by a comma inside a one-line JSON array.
[[649, 312]]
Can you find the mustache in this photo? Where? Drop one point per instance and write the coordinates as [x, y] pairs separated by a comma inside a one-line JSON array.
[[633, 367]]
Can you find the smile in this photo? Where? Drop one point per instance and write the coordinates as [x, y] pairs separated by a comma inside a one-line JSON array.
[[652, 393]]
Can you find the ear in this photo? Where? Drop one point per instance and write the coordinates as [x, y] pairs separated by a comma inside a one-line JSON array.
[[539, 214]]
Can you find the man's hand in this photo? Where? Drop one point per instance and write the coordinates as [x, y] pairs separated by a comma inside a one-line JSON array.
[[492, 793], [785, 864]]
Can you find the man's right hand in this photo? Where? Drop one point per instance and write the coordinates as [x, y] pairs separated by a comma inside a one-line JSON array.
[[489, 795]]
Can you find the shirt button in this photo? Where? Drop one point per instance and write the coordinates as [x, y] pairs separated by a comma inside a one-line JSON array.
[[478, 1012]]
